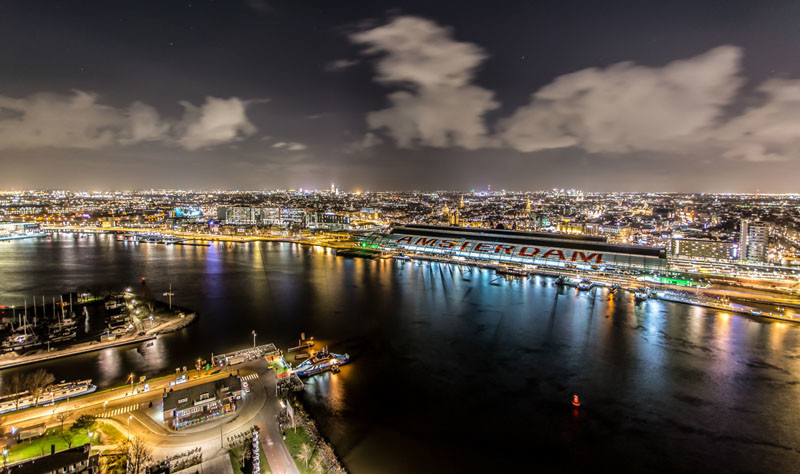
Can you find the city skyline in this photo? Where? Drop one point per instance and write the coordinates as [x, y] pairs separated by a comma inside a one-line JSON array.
[[678, 97]]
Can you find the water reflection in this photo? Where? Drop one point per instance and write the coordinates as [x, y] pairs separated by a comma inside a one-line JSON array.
[[446, 356]]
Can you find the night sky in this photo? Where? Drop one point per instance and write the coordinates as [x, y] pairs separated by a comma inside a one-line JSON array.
[[602, 96]]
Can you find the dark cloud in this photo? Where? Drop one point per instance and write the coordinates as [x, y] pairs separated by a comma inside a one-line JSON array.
[[672, 95]]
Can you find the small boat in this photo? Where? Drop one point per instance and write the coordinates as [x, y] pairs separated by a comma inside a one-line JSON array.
[[642, 294], [561, 280], [401, 257], [585, 284]]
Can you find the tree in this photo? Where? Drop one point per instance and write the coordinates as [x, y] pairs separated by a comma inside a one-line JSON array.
[[137, 453], [317, 465], [305, 453], [67, 436], [83, 422], [61, 418], [15, 385], [37, 381]]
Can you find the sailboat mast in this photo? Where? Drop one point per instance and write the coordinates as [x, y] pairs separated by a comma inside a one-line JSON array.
[[61, 297]]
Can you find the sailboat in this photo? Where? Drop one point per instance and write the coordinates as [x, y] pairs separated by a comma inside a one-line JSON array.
[[64, 329], [23, 337]]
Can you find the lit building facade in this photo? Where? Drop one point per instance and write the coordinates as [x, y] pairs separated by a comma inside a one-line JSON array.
[[194, 405], [753, 240], [703, 249], [526, 248]]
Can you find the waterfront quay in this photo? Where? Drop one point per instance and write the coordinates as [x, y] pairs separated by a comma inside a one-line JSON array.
[[136, 411]]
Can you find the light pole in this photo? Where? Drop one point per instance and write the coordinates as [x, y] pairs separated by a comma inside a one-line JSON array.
[[129, 427], [254, 339]]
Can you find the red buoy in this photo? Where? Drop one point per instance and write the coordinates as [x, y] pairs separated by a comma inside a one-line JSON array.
[[575, 401]]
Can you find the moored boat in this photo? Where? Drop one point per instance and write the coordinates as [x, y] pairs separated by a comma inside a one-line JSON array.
[[321, 362], [642, 294], [60, 391]]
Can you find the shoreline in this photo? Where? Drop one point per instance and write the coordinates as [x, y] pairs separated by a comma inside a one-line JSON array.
[[333, 463]]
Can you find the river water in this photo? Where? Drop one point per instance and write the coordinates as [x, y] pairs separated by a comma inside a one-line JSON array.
[[455, 370]]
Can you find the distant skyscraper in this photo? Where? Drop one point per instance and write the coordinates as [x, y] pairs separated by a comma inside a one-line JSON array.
[[753, 241], [333, 188]]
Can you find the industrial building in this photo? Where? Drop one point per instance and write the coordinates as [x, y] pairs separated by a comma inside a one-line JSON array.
[[526, 248]]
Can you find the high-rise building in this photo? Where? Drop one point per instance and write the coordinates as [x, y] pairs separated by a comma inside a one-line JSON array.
[[753, 241]]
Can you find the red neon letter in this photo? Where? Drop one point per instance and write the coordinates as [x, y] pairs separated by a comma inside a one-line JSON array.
[[407, 239], [480, 246], [423, 241], [447, 244], [554, 252], [508, 248], [598, 257], [533, 253]]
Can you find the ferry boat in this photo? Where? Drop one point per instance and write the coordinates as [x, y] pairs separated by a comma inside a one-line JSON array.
[[513, 271], [320, 362], [642, 294], [54, 393], [400, 256]]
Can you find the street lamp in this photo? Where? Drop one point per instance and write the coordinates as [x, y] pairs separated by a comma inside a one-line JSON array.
[[129, 426], [254, 339]]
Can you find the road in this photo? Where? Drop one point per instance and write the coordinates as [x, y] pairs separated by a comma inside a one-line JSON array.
[[133, 416]]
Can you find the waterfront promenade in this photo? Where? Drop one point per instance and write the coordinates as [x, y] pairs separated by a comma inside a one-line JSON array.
[[138, 413]]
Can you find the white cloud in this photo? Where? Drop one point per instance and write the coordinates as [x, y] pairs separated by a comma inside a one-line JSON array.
[[625, 107], [768, 131], [215, 122], [437, 105], [77, 120], [681, 108], [290, 146], [340, 64], [49, 120], [144, 124]]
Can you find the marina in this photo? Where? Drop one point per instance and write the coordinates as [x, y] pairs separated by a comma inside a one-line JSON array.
[[61, 335]]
